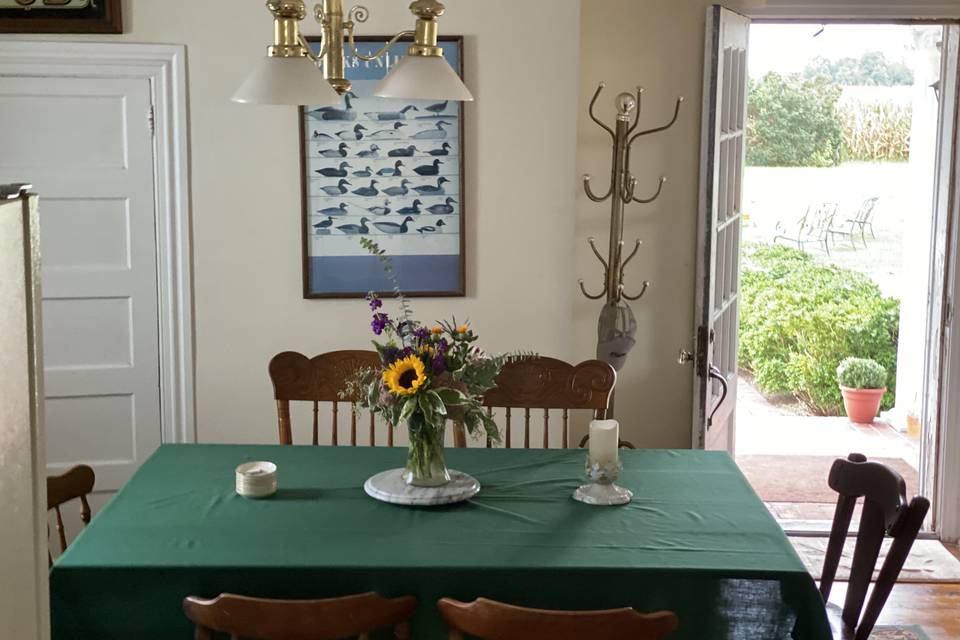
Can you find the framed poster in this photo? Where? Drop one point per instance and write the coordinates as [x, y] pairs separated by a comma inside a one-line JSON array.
[[387, 169], [60, 16]]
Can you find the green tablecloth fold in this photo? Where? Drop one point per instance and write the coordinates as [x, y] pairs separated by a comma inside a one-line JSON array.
[[695, 540]]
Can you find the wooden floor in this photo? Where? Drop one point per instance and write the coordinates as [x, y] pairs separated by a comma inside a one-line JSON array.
[[935, 607]]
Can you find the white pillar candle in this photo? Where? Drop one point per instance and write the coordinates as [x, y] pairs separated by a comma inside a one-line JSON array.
[[604, 441]]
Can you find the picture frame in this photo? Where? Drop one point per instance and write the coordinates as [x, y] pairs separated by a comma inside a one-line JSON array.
[[400, 183], [60, 16]]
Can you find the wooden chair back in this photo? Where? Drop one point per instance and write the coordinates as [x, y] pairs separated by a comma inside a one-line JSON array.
[[543, 384], [319, 379], [492, 620], [885, 512], [73, 484], [330, 619]]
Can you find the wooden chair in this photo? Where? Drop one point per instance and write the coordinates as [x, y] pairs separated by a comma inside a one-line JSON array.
[[73, 484], [492, 620], [330, 619], [319, 379], [543, 384], [885, 512]]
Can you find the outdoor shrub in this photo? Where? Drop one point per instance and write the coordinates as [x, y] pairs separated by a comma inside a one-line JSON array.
[[861, 373], [874, 131], [799, 319], [793, 123]]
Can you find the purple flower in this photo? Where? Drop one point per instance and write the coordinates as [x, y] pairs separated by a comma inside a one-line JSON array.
[[437, 364], [375, 303], [379, 322], [422, 333], [407, 351], [390, 355]]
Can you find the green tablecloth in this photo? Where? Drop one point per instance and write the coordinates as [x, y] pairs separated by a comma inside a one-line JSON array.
[[695, 540]]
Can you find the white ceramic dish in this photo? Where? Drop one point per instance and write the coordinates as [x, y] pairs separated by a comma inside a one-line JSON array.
[[256, 479]]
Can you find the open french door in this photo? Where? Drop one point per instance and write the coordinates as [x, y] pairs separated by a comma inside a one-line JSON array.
[[718, 259]]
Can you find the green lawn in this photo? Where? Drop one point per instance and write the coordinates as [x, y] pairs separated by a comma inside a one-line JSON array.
[[773, 194]]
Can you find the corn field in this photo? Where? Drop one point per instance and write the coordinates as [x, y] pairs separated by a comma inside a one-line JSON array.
[[875, 131]]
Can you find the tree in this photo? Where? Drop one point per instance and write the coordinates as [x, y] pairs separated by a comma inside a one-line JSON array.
[[793, 123], [871, 69]]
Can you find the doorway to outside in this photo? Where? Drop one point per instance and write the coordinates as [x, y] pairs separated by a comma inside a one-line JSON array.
[[837, 233]]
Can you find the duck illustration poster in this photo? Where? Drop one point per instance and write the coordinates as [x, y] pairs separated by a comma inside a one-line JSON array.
[[387, 169]]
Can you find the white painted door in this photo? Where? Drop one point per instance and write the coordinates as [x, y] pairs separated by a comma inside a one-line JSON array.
[[23, 497], [718, 260], [85, 144]]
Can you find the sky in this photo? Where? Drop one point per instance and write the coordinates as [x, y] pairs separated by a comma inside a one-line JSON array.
[[786, 48]]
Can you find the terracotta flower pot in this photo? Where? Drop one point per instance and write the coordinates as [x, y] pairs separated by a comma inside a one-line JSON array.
[[862, 405]]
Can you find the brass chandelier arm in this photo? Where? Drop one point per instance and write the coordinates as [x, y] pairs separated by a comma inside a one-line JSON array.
[[316, 57], [348, 27], [676, 114], [663, 180], [594, 117], [589, 191]]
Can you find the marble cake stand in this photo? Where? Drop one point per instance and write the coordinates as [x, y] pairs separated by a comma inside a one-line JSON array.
[[388, 486]]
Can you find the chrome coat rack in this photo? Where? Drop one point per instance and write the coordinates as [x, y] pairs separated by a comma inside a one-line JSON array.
[[617, 327]]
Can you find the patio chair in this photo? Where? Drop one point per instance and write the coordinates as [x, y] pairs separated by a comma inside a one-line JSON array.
[[813, 228], [859, 223]]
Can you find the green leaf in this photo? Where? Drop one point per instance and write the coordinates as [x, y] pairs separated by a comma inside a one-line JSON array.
[[436, 404], [451, 397], [408, 408]]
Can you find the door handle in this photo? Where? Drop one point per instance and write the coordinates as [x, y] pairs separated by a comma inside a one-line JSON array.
[[684, 356], [715, 373]]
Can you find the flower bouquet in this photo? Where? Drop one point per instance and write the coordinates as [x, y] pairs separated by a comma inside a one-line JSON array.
[[428, 375]]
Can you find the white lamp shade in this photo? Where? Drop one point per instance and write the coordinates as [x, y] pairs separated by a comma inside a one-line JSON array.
[[423, 78], [294, 81]]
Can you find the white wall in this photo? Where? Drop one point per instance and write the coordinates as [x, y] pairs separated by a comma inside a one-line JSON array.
[[520, 176], [657, 44]]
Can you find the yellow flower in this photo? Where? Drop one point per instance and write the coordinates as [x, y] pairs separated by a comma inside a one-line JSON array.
[[427, 349], [463, 328], [436, 331], [405, 377]]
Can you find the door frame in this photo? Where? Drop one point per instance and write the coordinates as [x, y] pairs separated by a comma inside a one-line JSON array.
[[164, 66], [946, 517]]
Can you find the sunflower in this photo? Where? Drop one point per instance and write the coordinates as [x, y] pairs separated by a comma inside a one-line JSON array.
[[405, 377]]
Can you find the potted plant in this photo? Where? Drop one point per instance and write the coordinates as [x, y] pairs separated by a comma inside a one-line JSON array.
[[862, 384]]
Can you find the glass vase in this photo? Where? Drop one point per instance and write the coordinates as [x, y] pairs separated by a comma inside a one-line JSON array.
[[425, 464]]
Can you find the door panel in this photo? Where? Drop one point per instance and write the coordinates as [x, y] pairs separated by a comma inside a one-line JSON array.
[[85, 145], [718, 269]]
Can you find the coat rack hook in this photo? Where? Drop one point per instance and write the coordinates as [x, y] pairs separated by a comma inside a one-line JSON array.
[[663, 180], [639, 295], [587, 294], [594, 117], [636, 115], [589, 191], [593, 245], [646, 132]]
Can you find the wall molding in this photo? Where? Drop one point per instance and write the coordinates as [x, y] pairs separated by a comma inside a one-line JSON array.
[[165, 67], [849, 9]]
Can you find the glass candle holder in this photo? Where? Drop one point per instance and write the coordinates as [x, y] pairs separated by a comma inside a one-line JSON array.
[[602, 488]]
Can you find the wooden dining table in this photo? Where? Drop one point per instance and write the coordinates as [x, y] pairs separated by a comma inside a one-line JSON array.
[[695, 540]]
